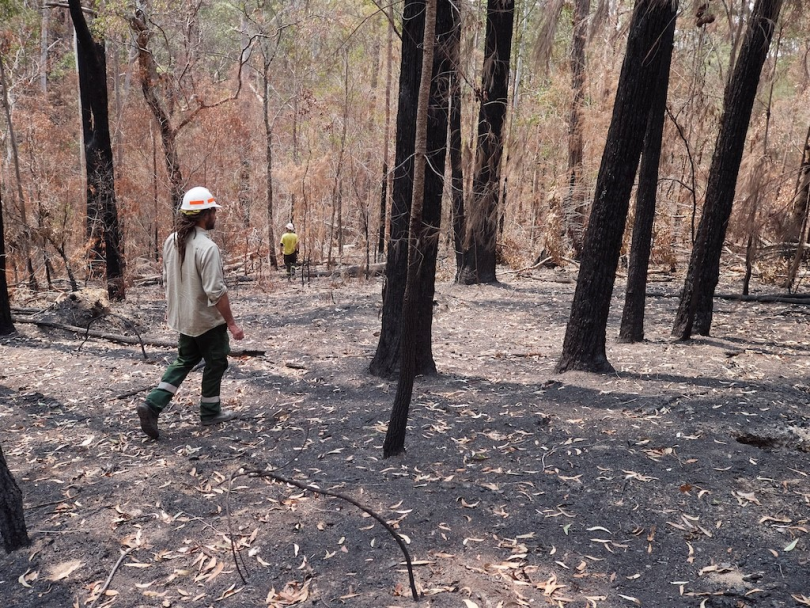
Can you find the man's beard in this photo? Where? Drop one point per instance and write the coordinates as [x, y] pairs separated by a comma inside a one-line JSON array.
[[210, 221]]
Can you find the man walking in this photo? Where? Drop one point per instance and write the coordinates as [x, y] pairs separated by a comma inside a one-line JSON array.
[[289, 249], [198, 308]]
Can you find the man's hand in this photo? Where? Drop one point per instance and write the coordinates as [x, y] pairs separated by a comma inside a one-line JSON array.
[[236, 331]]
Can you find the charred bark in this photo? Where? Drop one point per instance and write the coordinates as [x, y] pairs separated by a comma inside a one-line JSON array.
[[103, 230], [482, 218], [584, 344], [386, 359], [12, 517], [632, 325], [695, 308], [456, 169], [421, 233]]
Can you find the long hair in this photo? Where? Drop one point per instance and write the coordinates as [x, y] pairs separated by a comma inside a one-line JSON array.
[[183, 226]]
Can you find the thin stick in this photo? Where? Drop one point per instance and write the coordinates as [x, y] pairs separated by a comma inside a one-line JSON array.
[[391, 531], [109, 578]]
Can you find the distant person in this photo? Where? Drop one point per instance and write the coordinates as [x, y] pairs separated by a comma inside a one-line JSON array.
[[198, 308], [289, 249]]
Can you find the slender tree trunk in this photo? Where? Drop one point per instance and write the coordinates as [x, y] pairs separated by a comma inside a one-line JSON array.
[[482, 218], [26, 230], [12, 517], [386, 174], [695, 308], [632, 325], [574, 205], [584, 344], [155, 200], [268, 157], [148, 75], [44, 43], [456, 168], [801, 201], [386, 358], [394, 443], [801, 193], [98, 155], [6, 325]]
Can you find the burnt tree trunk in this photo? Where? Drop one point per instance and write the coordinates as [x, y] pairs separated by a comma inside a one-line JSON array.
[[584, 344], [574, 205], [456, 169], [386, 359], [420, 236], [12, 517], [695, 308], [6, 325], [103, 230], [482, 218], [632, 325]]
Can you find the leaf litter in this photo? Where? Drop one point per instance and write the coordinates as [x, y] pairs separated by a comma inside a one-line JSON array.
[[519, 486]]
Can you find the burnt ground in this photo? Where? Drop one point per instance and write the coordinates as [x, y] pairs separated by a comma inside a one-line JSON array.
[[680, 480]]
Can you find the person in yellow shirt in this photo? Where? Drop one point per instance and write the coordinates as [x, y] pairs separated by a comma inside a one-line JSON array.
[[289, 249]]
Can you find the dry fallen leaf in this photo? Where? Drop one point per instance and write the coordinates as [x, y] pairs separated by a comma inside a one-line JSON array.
[[470, 604], [28, 577], [63, 570]]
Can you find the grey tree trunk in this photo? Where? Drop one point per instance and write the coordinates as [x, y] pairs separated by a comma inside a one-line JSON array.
[[6, 325], [574, 204]]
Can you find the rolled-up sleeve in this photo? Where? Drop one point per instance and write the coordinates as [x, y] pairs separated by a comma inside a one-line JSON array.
[[212, 275]]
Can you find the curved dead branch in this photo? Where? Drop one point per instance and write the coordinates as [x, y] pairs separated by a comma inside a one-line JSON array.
[[317, 490]]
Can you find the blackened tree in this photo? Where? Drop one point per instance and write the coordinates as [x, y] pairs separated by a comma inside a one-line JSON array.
[[386, 359], [419, 235], [103, 230], [695, 308], [454, 150], [12, 517], [584, 344], [632, 325], [482, 216]]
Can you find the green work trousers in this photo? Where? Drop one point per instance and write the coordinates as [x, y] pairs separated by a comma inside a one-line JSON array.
[[212, 346]]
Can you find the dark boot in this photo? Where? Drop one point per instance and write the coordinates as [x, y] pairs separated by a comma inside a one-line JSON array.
[[149, 418]]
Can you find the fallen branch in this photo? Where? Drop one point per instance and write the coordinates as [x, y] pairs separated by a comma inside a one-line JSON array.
[[125, 339], [109, 578], [317, 490], [134, 391], [129, 324], [786, 298]]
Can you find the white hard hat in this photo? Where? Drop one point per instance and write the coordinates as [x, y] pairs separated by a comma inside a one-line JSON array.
[[198, 199], [290, 226]]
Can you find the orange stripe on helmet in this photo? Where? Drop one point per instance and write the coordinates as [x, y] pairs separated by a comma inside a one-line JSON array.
[[196, 202]]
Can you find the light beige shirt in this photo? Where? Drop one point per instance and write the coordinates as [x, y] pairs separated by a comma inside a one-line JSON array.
[[193, 290]]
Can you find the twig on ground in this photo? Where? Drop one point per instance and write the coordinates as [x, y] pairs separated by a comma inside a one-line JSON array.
[[385, 524], [112, 574], [127, 323], [134, 391]]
